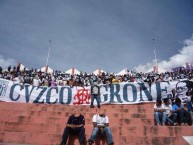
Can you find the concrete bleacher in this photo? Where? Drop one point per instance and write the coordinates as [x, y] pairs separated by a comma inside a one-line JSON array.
[[43, 124]]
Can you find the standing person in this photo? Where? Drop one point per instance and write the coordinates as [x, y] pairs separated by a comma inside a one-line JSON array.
[[1, 69], [173, 96], [75, 125], [159, 113], [53, 82], [101, 124], [170, 116], [95, 94], [36, 81]]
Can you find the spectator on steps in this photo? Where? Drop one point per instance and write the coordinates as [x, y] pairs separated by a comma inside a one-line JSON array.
[[183, 115], [101, 125], [75, 126], [159, 113], [189, 105], [36, 81], [170, 116], [173, 96], [95, 94], [53, 82]]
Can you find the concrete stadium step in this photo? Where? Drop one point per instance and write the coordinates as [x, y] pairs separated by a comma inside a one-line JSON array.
[[83, 111], [129, 119], [47, 138], [143, 108], [35, 119], [153, 131], [30, 138], [136, 121], [67, 113], [62, 120], [43, 139], [125, 140], [12, 144], [32, 127], [146, 131]]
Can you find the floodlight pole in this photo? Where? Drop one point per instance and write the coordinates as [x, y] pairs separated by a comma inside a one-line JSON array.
[[155, 53], [46, 67], [48, 53]]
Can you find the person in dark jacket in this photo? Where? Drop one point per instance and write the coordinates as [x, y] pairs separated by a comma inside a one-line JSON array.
[[95, 94], [183, 116], [189, 105], [75, 125]]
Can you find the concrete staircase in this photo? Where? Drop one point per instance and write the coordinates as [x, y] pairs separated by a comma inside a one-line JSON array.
[[43, 124]]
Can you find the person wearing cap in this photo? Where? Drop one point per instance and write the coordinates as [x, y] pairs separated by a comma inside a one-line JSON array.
[[101, 125], [95, 94]]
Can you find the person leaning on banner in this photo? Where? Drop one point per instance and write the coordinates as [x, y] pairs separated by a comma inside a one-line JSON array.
[[95, 94], [101, 125], [75, 126]]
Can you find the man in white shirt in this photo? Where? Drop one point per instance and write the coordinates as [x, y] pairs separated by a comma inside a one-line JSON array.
[[101, 124], [36, 81], [170, 116]]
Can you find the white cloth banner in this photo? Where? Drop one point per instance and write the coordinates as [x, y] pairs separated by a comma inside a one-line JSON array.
[[122, 93]]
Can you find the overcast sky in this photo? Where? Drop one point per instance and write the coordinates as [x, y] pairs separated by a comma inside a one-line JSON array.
[[90, 34]]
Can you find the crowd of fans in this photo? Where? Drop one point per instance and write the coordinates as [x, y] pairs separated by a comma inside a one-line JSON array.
[[181, 111], [58, 78]]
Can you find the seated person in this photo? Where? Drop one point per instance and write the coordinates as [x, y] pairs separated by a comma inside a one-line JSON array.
[[159, 113], [183, 115], [101, 124], [170, 116], [75, 125], [189, 105]]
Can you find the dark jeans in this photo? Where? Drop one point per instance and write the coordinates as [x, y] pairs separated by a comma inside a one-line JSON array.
[[172, 118], [184, 116], [107, 132], [98, 99], [77, 131]]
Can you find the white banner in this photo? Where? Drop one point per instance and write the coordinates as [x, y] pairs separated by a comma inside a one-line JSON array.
[[122, 93]]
